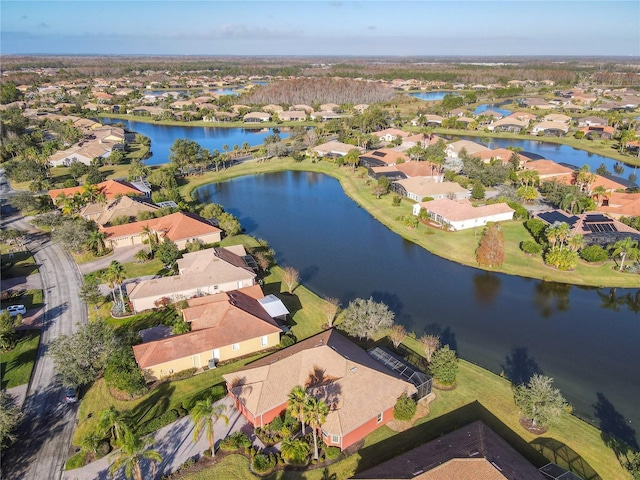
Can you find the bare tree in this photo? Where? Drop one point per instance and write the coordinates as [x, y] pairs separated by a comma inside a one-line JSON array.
[[397, 333], [330, 308], [290, 276], [430, 344]]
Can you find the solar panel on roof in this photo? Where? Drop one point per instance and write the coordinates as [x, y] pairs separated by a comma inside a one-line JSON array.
[[379, 154], [597, 218], [557, 216]]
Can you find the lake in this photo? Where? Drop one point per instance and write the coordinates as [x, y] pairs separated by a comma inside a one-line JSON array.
[[163, 136], [430, 96], [587, 339]]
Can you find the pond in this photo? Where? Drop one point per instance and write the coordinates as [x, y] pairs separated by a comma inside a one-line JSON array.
[[430, 96], [587, 339], [163, 136]]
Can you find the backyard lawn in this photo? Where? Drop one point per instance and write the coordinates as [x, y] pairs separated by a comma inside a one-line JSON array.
[[16, 365]]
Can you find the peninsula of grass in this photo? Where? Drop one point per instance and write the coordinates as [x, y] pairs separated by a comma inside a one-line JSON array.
[[455, 246], [16, 364], [203, 123]]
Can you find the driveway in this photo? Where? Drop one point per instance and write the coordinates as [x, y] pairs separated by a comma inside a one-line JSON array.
[[175, 444], [122, 255]]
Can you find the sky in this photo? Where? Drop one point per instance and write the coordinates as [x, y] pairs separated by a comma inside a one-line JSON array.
[[310, 27]]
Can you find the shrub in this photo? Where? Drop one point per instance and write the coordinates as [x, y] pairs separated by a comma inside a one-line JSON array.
[[158, 422], [263, 463], [103, 449], [332, 453], [594, 253], [530, 247], [520, 213], [287, 340], [181, 375], [397, 199], [536, 228], [123, 373], [70, 182], [405, 408], [444, 366], [562, 259]]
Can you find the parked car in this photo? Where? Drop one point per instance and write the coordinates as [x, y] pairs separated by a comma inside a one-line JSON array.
[[15, 310], [70, 395]]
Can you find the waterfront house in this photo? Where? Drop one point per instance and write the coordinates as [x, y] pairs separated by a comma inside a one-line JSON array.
[[124, 206], [549, 127], [111, 189], [256, 117], [417, 188], [382, 157], [359, 390], [334, 149], [461, 214]]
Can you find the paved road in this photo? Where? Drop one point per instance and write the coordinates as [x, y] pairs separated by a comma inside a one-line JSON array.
[[45, 433]]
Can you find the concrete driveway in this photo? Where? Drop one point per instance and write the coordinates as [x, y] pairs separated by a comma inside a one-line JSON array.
[[175, 444], [122, 255]]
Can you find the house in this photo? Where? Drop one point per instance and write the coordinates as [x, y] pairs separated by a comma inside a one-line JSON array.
[[417, 169], [325, 115], [104, 213], [111, 189], [224, 326], [508, 124], [204, 272], [550, 128], [178, 227], [557, 117], [417, 188], [334, 149], [256, 117], [618, 204], [550, 170], [293, 116], [432, 120], [382, 157], [598, 131], [453, 149], [330, 107], [470, 452], [461, 215], [536, 103], [390, 134], [359, 390], [271, 108], [80, 153], [592, 121], [502, 154]]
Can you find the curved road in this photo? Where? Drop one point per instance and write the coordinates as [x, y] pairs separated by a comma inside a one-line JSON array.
[[44, 435]]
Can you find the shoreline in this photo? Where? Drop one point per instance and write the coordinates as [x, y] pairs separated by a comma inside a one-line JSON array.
[[436, 242]]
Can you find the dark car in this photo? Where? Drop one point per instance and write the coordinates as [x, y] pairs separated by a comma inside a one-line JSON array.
[[70, 395]]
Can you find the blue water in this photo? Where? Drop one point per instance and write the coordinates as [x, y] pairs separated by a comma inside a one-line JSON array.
[[495, 107], [504, 323], [163, 136], [429, 96]]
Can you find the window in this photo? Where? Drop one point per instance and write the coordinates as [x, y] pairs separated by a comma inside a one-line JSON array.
[[335, 438], [235, 346], [264, 341], [380, 415]]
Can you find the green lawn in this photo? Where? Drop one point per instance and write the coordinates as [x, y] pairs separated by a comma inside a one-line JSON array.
[[17, 364], [22, 265], [30, 299]]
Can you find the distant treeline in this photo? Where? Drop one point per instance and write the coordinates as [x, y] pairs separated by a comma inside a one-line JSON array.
[[314, 91]]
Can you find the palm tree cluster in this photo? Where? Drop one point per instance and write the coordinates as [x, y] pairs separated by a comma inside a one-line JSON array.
[[70, 204], [308, 410]]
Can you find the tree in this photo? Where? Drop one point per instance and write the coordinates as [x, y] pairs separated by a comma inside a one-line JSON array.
[[80, 358], [430, 343], [73, 233], [295, 451], [405, 408], [10, 416], [132, 451], [95, 242], [184, 152], [366, 318], [539, 402], [316, 411], [352, 158], [490, 252], [77, 169], [168, 252], [633, 464], [204, 414], [123, 373], [290, 276], [296, 404], [229, 223], [397, 333], [330, 308], [444, 366], [625, 248], [478, 191], [8, 326], [115, 424], [90, 293], [116, 275], [95, 176]]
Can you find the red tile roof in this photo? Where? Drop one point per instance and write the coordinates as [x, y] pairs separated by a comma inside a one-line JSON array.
[[174, 227], [110, 188]]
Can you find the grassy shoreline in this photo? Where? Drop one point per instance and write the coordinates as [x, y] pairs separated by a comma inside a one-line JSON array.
[[455, 246]]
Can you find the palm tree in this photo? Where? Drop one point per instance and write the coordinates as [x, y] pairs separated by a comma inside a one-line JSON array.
[[96, 241], [316, 410], [625, 248], [150, 237], [132, 451], [116, 274], [246, 146], [116, 423], [90, 192], [205, 413], [294, 451], [296, 405]]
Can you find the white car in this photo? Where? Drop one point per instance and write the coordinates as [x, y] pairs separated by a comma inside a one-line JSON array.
[[15, 310]]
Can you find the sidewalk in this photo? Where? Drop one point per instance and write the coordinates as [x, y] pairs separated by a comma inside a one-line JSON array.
[[175, 444]]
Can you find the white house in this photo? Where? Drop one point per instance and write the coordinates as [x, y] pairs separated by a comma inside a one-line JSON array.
[[461, 215]]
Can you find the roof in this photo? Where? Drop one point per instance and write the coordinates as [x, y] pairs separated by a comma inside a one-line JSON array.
[[468, 145], [217, 272], [385, 155], [116, 207], [427, 187], [627, 204], [394, 132], [274, 306], [471, 452], [354, 385], [110, 188], [416, 169], [335, 147], [234, 318], [176, 226], [503, 154], [459, 210], [548, 168], [551, 125]]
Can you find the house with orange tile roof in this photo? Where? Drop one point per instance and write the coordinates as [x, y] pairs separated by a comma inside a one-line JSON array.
[[618, 204], [109, 188], [205, 272], [461, 214], [382, 157], [502, 154], [360, 391], [454, 148], [598, 131], [179, 227], [550, 170], [224, 326]]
